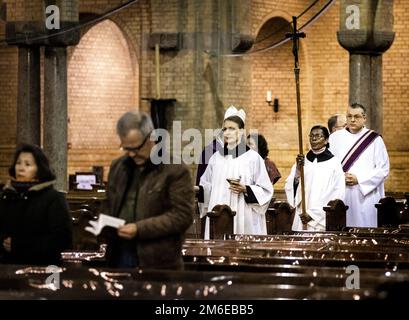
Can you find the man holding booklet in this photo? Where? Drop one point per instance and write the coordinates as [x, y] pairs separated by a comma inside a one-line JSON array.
[[156, 201]]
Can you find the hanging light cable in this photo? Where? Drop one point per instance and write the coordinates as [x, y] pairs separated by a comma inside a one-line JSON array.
[[284, 40], [77, 27]]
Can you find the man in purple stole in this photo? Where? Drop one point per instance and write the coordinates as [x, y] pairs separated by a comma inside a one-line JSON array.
[[365, 162]]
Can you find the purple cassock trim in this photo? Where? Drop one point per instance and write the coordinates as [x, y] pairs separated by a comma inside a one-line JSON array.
[[357, 149]]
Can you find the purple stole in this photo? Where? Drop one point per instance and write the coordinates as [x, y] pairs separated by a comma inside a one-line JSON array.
[[357, 149]]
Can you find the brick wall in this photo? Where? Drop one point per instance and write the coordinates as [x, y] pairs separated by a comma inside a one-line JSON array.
[[20, 10], [396, 100], [102, 83], [274, 70], [8, 94], [205, 84], [8, 103], [396, 82], [325, 88]]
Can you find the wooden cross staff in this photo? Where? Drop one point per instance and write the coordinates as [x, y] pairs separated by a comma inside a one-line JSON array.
[[295, 37]]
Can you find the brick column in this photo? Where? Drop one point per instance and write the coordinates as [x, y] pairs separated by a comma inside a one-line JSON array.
[[366, 32], [55, 112], [365, 86], [26, 27], [224, 30], [28, 99]]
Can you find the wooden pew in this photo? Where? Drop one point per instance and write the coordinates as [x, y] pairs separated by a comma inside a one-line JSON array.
[[335, 215], [221, 220], [23, 282], [83, 240], [302, 265], [388, 212], [392, 213], [306, 248], [85, 206], [279, 217], [384, 248], [85, 257], [312, 263], [90, 200], [404, 214], [195, 230]]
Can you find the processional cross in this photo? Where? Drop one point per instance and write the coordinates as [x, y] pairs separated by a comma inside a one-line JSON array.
[[295, 37]]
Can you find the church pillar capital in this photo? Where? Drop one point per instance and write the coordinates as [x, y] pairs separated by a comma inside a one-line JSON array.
[[366, 27]]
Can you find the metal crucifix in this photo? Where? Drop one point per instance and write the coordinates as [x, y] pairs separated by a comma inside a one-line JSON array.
[[295, 37]]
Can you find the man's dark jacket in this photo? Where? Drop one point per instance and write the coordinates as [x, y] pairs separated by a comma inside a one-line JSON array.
[[165, 206]]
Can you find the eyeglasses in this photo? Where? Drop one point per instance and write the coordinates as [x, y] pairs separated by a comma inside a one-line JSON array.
[[356, 116], [316, 136], [136, 149]]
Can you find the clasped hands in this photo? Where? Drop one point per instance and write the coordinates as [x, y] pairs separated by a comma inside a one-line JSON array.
[[350, 179], [237, 187]]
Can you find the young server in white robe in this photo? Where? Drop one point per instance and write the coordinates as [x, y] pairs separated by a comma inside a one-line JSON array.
[[250, 194], [324, 181], [366, 164]]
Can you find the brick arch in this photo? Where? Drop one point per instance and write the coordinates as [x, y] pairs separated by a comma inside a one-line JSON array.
[[103, 83], [134, 48], [275, 13], [304, 56]]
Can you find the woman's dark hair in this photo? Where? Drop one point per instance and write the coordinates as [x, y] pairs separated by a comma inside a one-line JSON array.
[[236, 119], [44, 172], [262, 146]]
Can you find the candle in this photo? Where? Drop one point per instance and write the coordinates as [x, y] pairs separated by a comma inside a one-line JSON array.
[[269, 97]]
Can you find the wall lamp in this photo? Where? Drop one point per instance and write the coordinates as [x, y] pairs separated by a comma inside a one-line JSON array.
[[271, 102]]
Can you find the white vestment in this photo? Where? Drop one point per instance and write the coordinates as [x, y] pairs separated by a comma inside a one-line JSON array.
[[371, 170], [250, 168], [324, 181]]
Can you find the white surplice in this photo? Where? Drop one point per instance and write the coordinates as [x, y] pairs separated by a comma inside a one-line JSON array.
[[324, 181], [371, 170], [250, 168]]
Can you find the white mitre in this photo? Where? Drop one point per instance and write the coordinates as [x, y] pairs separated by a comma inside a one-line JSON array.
[[232, 111]]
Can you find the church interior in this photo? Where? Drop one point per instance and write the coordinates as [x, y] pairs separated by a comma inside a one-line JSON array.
[[69, 69]]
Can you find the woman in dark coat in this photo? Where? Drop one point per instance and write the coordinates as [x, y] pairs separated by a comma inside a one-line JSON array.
[[35, 224]]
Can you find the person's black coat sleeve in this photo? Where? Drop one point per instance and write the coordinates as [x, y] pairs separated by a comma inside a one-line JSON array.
[[56, 237]]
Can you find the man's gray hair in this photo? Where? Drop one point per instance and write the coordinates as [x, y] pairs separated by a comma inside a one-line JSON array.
[[332, 121], [134, 120]]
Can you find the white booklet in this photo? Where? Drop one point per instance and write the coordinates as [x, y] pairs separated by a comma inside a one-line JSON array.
[[104, 221]]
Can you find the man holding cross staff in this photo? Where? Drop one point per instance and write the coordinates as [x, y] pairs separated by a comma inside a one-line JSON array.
[[321, 174]]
